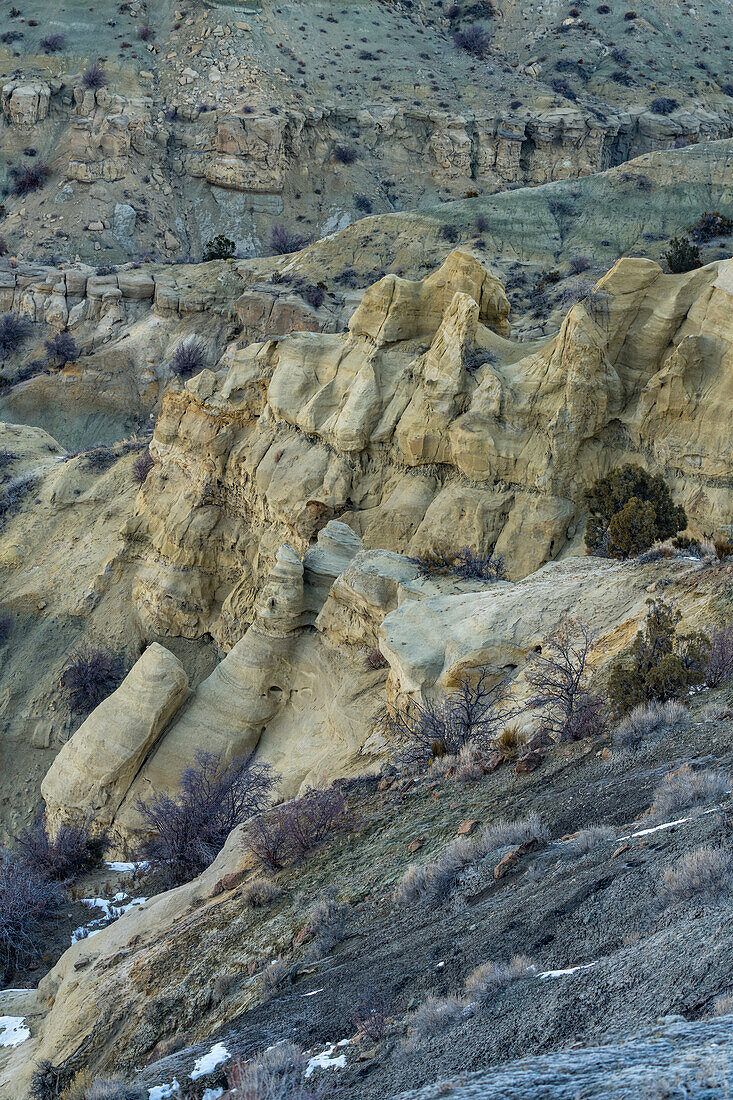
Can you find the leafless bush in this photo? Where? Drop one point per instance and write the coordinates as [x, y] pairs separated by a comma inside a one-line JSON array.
[[465, 564], [141, 467], [284, 241], [683, 788], [188, 830], [504, 833], [558, 676], [705, 871], [468, 767], [189, 358], [588, 839], [370, 1014], [94, 77], [27, 900], [89, 676], [436, 1015], [259, 892], [14, 330], [73, 849], [469, 715], [646, 721], [293, 830], [483, 982], [325, 922], [720, 657]]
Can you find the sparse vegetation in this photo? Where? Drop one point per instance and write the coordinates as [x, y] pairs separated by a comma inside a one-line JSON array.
[[27, 900], [260, 892], [558, 677], [73, 849], [471, 714], [719, 669], [587, 839], [141, 467], [90, 675], [663, 105], [94, 77], [684, 788], [465, 564], [482, 983], [630, 509], [710, 225], [61, 349], [277, 1074], [647, 720], [436, 1015], [283, 241], [474, 39], [189, 358], [53, 43], [14, 331], [344, 154], [188, 829], [294, 829], [30, 177]]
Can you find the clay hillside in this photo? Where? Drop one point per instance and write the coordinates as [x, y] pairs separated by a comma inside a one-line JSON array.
[[366, 551]]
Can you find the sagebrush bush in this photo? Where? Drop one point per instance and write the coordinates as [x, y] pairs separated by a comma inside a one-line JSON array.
[[145, 33], [587, 839], [259, 892], [274, 974], [189, 358], [645, 721], [370, 1014], [436, 879], [663, 105], [345, 154], [483, 982], [72, 850], [629, 510], [62, 349], [436, 1015], [660, 664], [470, 714], [325, 922], [188, 829], [27, 900], [684, 788], [504, 833], [89, 676], [94, 77], [705, 871], [682, 255], [14, 330], [723, 1005], [283, 241]]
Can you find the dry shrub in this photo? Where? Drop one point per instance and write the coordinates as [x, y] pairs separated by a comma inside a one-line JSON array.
[[468, 765], [276, 1074], [27, 900], [436, 1015], [646, 721], [259, 892], [71, 851], [293, 830], [504, 833], [706, 871], [588, 839], [720, 657], [435, 880], [115, 1088], [483, 982], [683, 788], [325, 922], [90, 675], [370, 1014]]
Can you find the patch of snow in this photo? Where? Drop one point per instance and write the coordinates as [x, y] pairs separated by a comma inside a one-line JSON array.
[[160, 1092], [111, 910], [212, 1094], [313, 992], [326, 1059], [123, 867], [13, 1031], [666, 825], [570, 970], [208, 1062]]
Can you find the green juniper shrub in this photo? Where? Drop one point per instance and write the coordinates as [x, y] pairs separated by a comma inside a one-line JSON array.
[[682, 255], [710, 225], [219, 248], [630, 510], [660, 664]]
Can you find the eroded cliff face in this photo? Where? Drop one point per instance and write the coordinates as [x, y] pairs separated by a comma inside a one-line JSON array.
[[389, 429]]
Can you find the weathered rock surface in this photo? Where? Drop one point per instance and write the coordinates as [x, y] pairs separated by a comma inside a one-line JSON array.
[[96, 768]]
